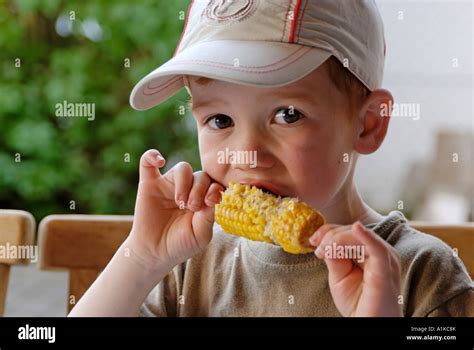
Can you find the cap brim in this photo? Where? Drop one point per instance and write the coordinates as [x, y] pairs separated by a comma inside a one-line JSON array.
[[261, 64]]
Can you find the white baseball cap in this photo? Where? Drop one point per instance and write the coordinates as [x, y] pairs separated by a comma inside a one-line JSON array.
[[269, 43]]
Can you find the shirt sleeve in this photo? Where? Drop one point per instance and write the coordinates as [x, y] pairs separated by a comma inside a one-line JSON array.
[[462, 305], [434, 279]]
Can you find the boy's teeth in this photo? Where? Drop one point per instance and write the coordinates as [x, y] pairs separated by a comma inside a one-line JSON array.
[[268, 191]]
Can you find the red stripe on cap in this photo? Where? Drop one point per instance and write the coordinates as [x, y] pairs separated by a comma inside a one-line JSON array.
[[293, 24], [184, 29]]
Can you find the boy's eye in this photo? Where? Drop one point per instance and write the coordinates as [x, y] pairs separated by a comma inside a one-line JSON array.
[[220, 121], [288, 115]]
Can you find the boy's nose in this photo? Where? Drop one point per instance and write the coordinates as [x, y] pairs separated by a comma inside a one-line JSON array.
[[247, 158], [252, 164]]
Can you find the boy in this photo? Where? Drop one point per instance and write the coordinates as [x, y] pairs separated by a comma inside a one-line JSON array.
[[298, 83]]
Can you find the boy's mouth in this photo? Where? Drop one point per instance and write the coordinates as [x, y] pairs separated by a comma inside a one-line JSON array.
[[265, 187], [268, 191]]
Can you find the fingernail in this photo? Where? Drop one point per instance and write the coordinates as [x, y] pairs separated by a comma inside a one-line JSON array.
[[195, 205], [159, 157], [214, 198], [314, 237], [319, 252]]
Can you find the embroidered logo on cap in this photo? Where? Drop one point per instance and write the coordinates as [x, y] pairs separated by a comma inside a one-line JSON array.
[[220, 12]]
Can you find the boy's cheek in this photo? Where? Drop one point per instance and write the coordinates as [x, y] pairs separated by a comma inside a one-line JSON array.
[[211, 165], [315, 166], [320, 180], [209, 162]]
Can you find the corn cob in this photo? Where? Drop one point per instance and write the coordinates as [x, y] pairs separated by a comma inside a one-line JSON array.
[[249, 212]]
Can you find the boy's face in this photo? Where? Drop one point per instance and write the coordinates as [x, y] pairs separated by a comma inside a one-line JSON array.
[[302, 134]]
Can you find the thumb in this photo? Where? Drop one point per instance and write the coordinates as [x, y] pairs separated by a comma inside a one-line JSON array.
[[337, 268]]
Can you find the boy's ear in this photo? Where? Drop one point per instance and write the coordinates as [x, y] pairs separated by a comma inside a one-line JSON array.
[[372, 121]]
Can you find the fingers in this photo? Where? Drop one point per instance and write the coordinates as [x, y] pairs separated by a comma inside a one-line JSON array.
[[214, 194], [182, 175], [340, 269], [203, 219], [375, 244], [202, 223], [193, 190], [341, 244], [204, 191], [383, 256], [201, 183], [318, 236], [150, 163], [342, 253], [344, 248]]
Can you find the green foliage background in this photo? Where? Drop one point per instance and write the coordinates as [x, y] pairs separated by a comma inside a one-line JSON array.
[[64, 159]]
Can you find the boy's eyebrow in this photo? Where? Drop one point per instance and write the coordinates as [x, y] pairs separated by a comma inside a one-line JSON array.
[[280, 95], [206, 103], [299, 94]]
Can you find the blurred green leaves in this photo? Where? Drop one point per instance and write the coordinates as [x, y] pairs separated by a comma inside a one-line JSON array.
[[46, 161]]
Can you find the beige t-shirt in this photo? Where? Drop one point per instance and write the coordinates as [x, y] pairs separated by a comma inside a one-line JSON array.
[[238, 277]]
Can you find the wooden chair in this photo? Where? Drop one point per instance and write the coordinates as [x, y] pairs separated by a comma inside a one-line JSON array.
[[81, 244], [17, 230], [84, 244]]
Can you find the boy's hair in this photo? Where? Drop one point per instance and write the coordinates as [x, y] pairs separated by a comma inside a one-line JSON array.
[[346, 82], [342, 78]]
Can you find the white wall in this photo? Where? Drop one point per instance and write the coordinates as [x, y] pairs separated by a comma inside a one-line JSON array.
[[419, 69]]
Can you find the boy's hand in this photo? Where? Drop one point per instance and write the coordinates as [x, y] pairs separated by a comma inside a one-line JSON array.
[[174, 212], [367, 285]]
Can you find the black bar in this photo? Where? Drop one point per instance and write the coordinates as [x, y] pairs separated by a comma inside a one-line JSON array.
[[388, 331]]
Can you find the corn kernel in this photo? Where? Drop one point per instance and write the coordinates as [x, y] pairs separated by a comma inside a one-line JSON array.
[[249, 212]]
